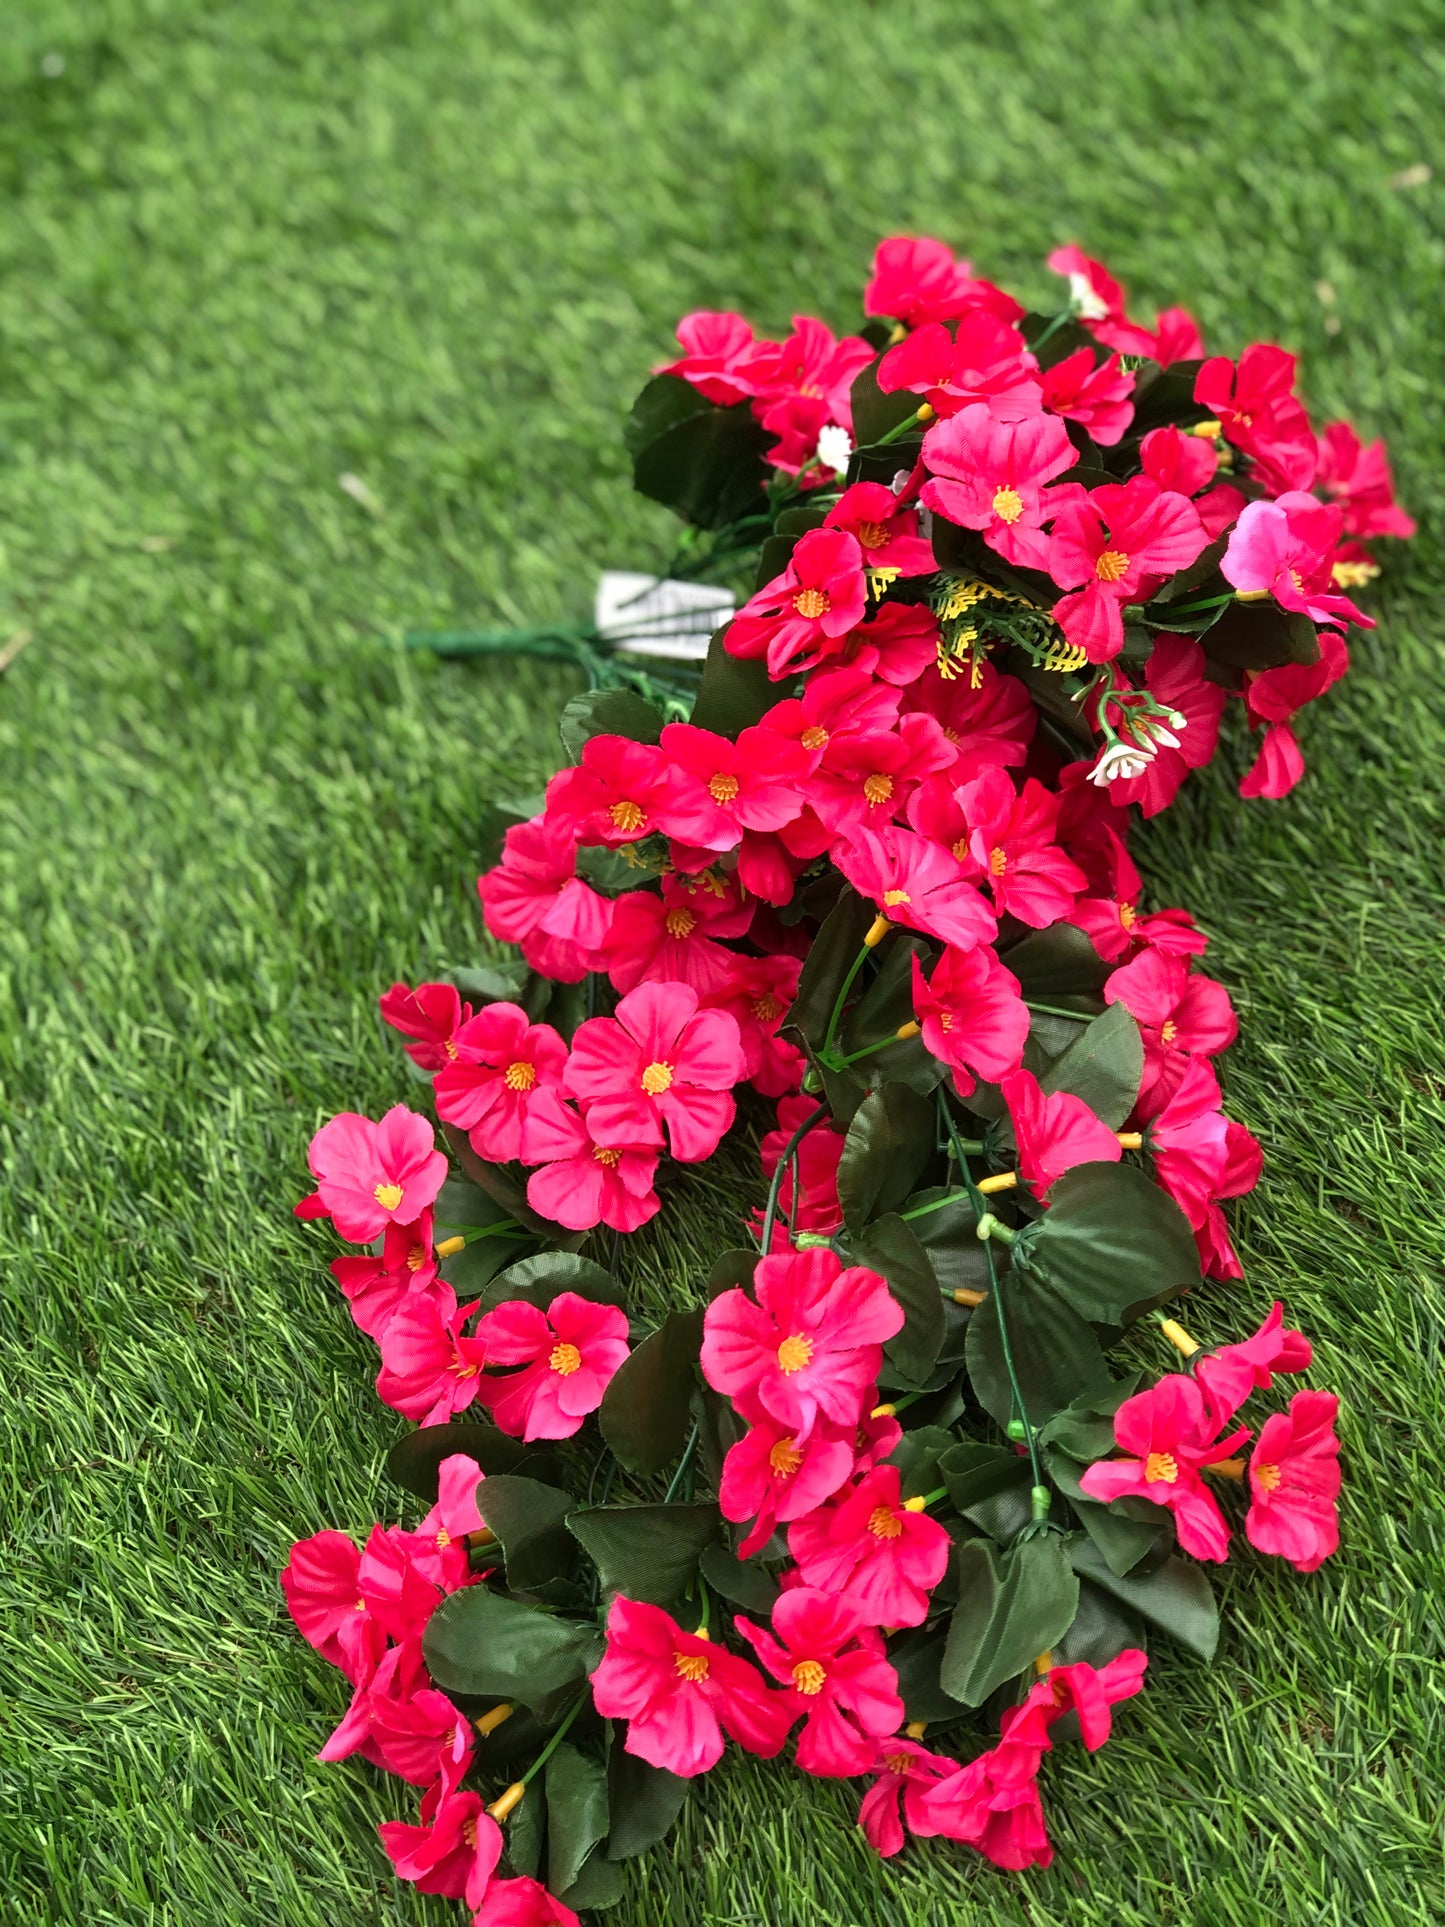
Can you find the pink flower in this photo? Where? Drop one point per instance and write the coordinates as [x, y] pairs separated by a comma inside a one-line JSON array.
[[986, 361], [568, 1354], [831, 1663], [455, 1514], [680, 1692], [1094, 395], [916, 883], [1099, 301], [866, 781], [918, 280], [415, 1731], [1176, 337], [323, 1596], [905, 1771], [992, 724], [622, 791], [1187, 1136], [455, 1849], [659, 1061], [1174, 676], [1273, 698], [595, 1183], [1177, 1010], [993, 475], [1256, 405], [836, 706], [431, 1014], [535, 898], [897, 644], [811, 1344], [429, 1370], [1011, 845], [971, 1014], [371, 1175], [674, 938], [886, 533], [804, 384], [1171, 1435], [755, 782], [1182, 463], [772, 1478], [1230, 1374], [802, 615], [1114, 546], [376, 1283], [758, 993], [719, 356], [1285, 548], [1243, 1164], [884, 1554], [1294, 1481], [818, 1155], [523, 1902], [402, 1582], [504, 1086], [993, 1805], [1055, 1131], [1089, 1692], [1359, 479]]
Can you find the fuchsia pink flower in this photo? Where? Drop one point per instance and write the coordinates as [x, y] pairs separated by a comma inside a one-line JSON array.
[[1174, 676], [1089, 1692], [1358, 478], [413, 1730], [971, 1014], [659, 1061], [593, 1181], [865, 781], [535, 898], [429, 1368], [1188, 1138], [1055, 1131], [914, 882], [1242, 1166], [886, 532], [1114, 546], [916, 280], [1257, 408], [1099, 301], [1294, 1481], [720, 357], [1011, 845], [431, 1015], [680, 1692], [816, 1208], [1229, 1375], [455, 1849], [523, 1902], [1171, 1436], [1177, 1010], [896, 644], [905, 1771], [758, 993], [873, 1547], [1285, 549], [802, 615], [985, 360], [772, 1478], [371, 1175], [810, 1345], [1186, 464], [830, 1661], [622, 791], [323, 1595], [568, 1355], [1093, 394], [993, 723], [992, 475], [755, 783], [675, 937], [401, 1580], [455, 1515], [804, 384], [1273, 698], [504, 1085], [375, 1284], [1113, 923]]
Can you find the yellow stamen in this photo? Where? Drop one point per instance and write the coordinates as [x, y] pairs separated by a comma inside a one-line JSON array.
[[874, 535], [1128, 916], [657, 1078], [877, 788], [814, 738], [1111, 565], [1354, 575], [416, 1254], [784, 1459], [628, 816], [1008, 505], [794, 1353], [910, 1029], [1130, 1140], [1178, 1337], [691, 1666], [1160, 1468], [811, 603], [1005, 1181], [960, 850], [565, 1359], [388, 1196], [1265, 1476], [604, 1154], [1168, 1031], [520, 1076], [489, 1722], [997, 861], [723, 787], [809, 1677], [450, 1048], [766, 1008], [679, 923], [878, 929], [512, 1798], [1209, 431], [884, 1523]]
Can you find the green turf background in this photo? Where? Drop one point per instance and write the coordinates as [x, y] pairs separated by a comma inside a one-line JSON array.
[[247, 246]]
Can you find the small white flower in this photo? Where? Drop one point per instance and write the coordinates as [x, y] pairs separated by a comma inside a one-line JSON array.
[[1087, 304], [902, 477], [1150, 729], [835, 445], [1119, 762]]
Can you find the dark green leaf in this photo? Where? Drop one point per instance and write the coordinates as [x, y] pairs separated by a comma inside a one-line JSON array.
[[1055, 1352], [1123, 1540], [644, 1800], [600, 1884], [741, 1581], [1012, 1606], [885, 1004], [645, 1409], [663, 403], [837, 943], [947, 1235], [523, 1835], [529, 1521], [1176, 1596], [414, 1461], [1104, 1066], [917, 1658], [1260, 635], [973, 1472], [889, 1142], [1185, 586], [1166, 395], [1064, 342], [889, 1246], [1110, 1239], [577, 1813], [734, 692], [502, 984], [706, 464], [648, 1552], [608, 712], [481, 1643], [1103, 1627], [1085, 1430], [875, 413], [917, 1456], [733, 1271], [1058, 962], [541, 1278]]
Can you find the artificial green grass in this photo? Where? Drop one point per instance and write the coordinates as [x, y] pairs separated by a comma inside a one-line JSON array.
[[245, 249]]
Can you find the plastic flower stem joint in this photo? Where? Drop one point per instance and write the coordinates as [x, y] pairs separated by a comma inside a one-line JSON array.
[[507, 1801], [1177, 1336]]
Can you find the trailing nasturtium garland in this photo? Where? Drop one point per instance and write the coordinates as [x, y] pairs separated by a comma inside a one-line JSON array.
[[875, 1488]]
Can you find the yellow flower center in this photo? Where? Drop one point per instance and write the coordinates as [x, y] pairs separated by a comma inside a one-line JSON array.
[[723, 787], [794, 1353], [604, 1154], [877, 788], [1353, 575], [469, 1834], [945, 1019], [691, 1666], [784, 1459], [1111, 565], [884, 1522], [628, 816], [656, 1079], [811, 603], [874, 535], [679, 923], [810, 1677], [451, 1050], [565, 1359], [1168, 1031], [892, 898], [520, 1076], [997, 861], [960, 850], [1160, 1468], [1267, 1476], [814, 738], [444, 1539], [388, 1196], [1128, 915], [897, 1763], [1008, 505], [767, 1008], [416, 1258]]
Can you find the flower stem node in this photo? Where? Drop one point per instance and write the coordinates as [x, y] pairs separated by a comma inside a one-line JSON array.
[[509, 1801], [489, 1722], [1040, 1499], [1017, 1430], [1178, 1337], [449, 1247]]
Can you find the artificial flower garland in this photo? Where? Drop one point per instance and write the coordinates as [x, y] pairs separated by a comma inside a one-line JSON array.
[[880, 1475]]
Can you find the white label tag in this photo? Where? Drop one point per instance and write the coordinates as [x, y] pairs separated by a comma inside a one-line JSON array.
[[647, 615]]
